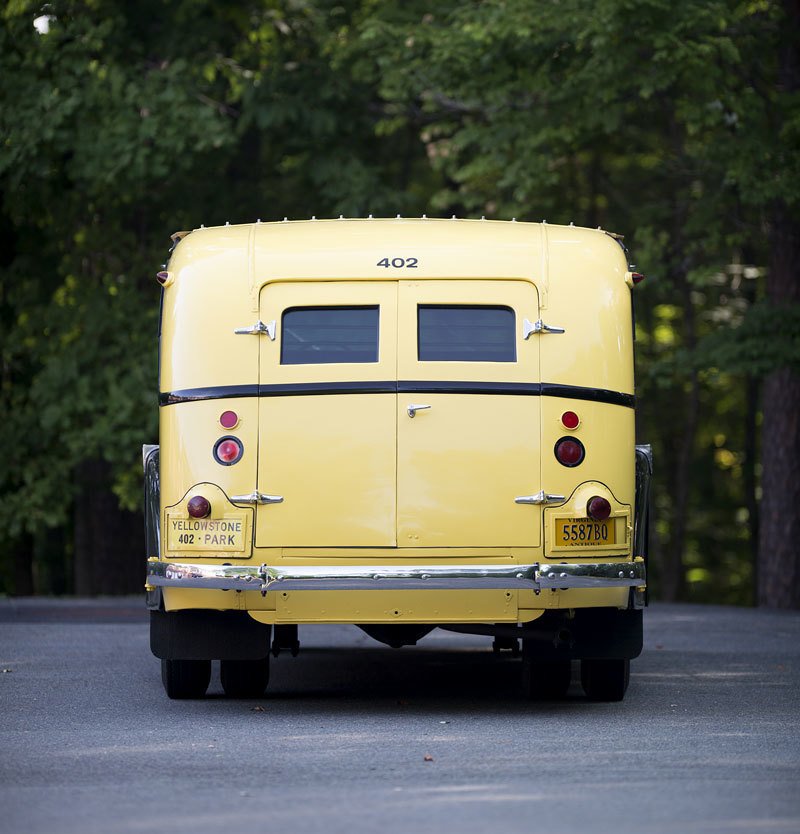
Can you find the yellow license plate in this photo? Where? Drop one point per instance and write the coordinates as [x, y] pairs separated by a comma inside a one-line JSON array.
[[584, 532], [213, 534]]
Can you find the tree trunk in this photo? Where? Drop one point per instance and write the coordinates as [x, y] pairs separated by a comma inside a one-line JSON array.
[[779, 521], [779, 535]]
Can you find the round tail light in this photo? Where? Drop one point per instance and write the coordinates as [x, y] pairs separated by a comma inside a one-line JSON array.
[[569, 451], [229, 419], [598, 508], [570, 420], [199, 507], [228, 450]]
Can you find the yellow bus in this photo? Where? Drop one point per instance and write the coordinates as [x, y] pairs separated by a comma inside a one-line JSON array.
[[401, 424]]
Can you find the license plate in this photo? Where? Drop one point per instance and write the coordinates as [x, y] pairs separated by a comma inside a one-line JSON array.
[[584, 532], [212, 534]]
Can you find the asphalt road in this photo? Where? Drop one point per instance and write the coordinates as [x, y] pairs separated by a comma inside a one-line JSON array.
[[707, 740]]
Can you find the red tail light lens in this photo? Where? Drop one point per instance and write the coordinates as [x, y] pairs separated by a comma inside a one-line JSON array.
[[228, 450], [569, 451], [199, 507], [229, 419], [570, 420], [598, 508]]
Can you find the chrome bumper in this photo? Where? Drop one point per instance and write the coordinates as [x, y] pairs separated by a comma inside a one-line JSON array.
[[265, 578]]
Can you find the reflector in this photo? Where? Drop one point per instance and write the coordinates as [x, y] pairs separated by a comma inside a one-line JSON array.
[[570, 420], [229, 419]]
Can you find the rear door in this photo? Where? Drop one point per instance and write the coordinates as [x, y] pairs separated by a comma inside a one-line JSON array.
[[327, 415], [473, 443]]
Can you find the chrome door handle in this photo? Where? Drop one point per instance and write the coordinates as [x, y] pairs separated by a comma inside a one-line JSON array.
[[413, 409], [257, 498], [543, 498], [257, 329], [529, 327]]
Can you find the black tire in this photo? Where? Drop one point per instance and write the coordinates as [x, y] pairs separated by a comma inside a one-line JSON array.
[[605, 680], [545, 680], [185, 678], [244, 678]]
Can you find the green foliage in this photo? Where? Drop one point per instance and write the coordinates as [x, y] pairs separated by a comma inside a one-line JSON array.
[[124, 122]]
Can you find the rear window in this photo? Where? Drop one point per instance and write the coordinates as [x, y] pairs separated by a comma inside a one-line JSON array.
[[325, 335], [465, 333]]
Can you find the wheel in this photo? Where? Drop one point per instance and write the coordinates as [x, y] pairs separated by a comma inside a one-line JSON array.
[[545, 680], [185, 678], [244, 678], [605, 680]]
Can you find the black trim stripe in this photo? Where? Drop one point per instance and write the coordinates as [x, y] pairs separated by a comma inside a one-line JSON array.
[[218, 392], [295, 389], [530, 389], [598, 395]]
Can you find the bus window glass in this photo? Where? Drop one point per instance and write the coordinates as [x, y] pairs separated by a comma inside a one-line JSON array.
[[325, 335], [465, 333]]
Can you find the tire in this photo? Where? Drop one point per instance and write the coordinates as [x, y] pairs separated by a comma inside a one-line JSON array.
[[185, 678], [244, 678], [545, 680], [605, 680]]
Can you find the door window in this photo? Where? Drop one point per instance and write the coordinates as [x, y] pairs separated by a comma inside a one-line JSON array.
[[327, 335], [465, 333]]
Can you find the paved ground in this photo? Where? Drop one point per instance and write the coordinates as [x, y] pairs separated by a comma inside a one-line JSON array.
[[707, 740]]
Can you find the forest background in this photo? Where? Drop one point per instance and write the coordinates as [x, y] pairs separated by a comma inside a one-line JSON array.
[[674, 122]]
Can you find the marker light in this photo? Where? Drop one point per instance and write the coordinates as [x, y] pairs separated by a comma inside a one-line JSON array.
[[229, 419], [199, 507], [570, 420], [598, 508], [228, 450], [569, 451]]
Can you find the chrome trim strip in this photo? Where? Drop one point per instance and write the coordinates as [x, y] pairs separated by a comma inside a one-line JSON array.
[[395, 577]]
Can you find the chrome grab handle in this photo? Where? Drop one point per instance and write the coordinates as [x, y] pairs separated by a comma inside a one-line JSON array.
[[539, 326], [542, 498], [257, 498], [257, 329], [413, 409]]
